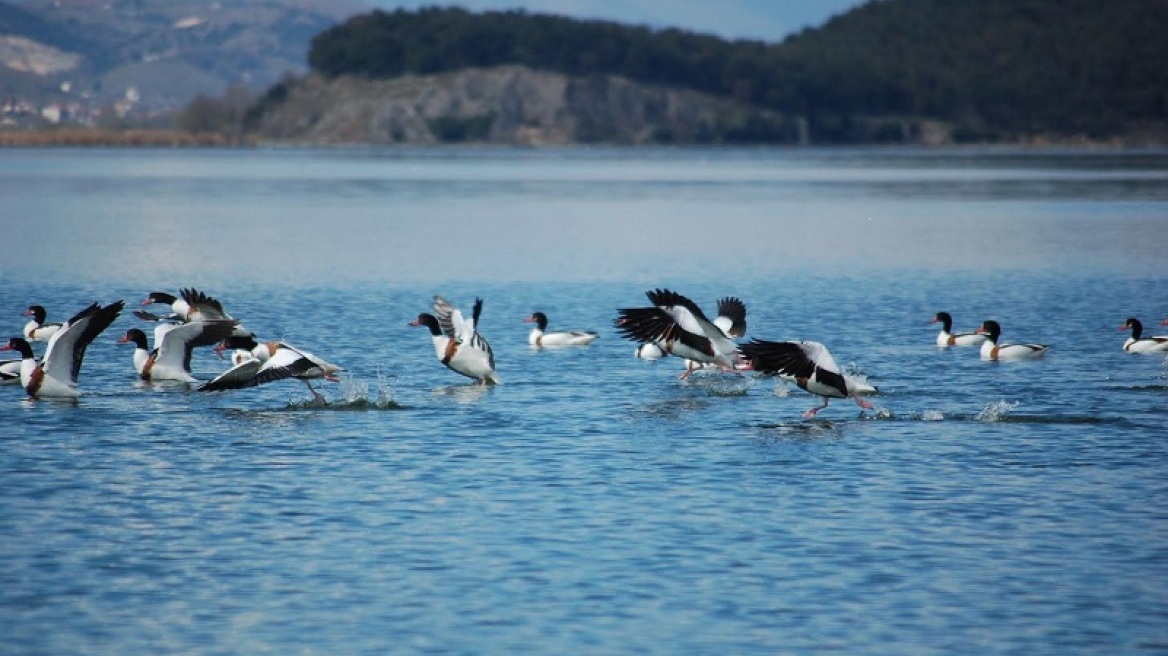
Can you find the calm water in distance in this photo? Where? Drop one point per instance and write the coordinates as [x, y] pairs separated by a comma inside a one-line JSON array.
[[594, 503]]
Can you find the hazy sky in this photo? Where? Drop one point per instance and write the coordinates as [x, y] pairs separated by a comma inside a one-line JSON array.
[[768, 20]]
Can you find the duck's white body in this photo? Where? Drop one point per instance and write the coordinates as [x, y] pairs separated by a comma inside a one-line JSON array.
[[10, 372], [170, 360], [947, 338], [1137, 343], [992, 350], [650, 351], [810, 366], [470, 362], [539, 337], [55, 376], [36, 330], [1157, 344], [679, 327], [457, 342]]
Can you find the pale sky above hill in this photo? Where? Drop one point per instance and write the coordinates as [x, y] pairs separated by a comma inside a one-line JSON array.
[[767, 20]]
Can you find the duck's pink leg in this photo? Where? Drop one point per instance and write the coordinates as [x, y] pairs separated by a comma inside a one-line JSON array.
[[810, 414], [315, 394]]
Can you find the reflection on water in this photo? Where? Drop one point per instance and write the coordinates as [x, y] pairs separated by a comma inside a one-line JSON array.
[[331, 216]]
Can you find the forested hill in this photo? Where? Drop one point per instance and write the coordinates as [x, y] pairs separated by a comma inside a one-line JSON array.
[[992, 69]]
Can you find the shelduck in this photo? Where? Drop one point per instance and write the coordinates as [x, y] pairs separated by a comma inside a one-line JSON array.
[[539, 337], [731, 320], [191, 305], [679, 327], [457, 342], [947, 337], [36, 330], [992, 350], [1136, 343], [810, 366], [173, 345], [282, 361]]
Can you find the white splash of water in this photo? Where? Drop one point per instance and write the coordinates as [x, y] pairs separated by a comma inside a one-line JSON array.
[[996, 411], [355, 391], [932, 415], [858, 380]]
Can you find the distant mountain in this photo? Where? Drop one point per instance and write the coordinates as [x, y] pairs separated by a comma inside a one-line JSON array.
[[988, 69], [508, 105], [995, 68], [158, 53]]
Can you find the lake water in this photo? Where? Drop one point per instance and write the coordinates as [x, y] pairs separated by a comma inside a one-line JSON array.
[[594, 503]]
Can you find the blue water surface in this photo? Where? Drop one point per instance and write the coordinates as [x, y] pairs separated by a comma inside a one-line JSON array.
[[594, 503]]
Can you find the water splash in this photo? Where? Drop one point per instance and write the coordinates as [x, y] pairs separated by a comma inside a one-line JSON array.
[[354, 395], [996, 411], [932, 415], [724, 384]]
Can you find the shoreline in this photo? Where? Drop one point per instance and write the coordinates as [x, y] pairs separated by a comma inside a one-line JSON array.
[[167, 138], [129, 138]]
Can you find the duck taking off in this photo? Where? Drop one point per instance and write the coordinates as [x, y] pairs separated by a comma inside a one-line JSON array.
[[809, 365]]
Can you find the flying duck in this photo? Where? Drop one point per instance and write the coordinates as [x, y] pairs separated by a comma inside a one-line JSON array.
[[191, 305], [282, 361], [679, 327], [457, 342], [809, 365]]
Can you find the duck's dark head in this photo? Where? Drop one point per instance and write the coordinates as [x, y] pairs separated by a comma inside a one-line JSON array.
[[37, 312], [136, 337], [428, 320], [539, 319], [944, 319], [1133, 324], [991, 330], [159, 297], [20, 345], [236, 342]]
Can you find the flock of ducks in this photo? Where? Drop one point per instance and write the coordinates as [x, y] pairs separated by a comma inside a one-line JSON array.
[[986, 336], [670, 325], [195, 319]]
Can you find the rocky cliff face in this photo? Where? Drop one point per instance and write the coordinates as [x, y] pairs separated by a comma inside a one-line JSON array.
[[161, 53], [508, 104]]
